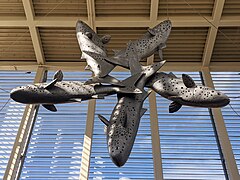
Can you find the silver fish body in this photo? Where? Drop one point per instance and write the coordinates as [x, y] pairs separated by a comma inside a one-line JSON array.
[[185, 92]]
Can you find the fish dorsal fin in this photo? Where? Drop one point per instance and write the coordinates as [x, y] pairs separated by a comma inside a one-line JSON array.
[[151, 31], [58, 75], [105, 39], [172, 75], [50, 107], [89, 35], [174, 107], [104, 120], [134, 64], [188, 81], [51, 84], [143, 110]]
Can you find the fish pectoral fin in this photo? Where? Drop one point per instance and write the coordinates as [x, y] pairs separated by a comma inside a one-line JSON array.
[[104, 120], [175, 98], [99, 96], [58, 75], [88, 67], [50, 107], [188, 81], [105, 39], [151, 31], [143, 110], [51, 84], [174, 107], [76, 100], [160, 52], [89, 35]]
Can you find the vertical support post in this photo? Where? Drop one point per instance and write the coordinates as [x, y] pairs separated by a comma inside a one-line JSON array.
[[226, 147], [17, 156], [157, 160], [87, 143]]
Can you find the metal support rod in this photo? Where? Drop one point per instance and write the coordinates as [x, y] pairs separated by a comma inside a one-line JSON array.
[[23, 136], [222, 133]]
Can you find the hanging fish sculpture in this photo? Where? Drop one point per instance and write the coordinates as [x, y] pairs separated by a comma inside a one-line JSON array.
[[58, 91], [122, 128], [154, 40], [89, 41], [184, 91]]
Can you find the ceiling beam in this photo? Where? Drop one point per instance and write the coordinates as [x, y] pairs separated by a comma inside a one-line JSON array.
[[154, 12], [212, 33], [143, 22], [36, 40], [87, 144], [79, 66], [91, 13]]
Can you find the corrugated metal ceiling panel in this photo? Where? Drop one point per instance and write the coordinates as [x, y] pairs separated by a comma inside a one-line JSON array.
[[11, 8], [231, 9], [181, 8], [16, 44], [60, 44], [185, 44], [122, 8], [227, 45], [59, 8]]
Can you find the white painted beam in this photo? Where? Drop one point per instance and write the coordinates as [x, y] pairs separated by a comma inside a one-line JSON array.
[[212, 33], [23, 136], [226, 147], [36, 40]]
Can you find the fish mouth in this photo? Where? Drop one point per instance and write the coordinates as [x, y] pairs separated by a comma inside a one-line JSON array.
[[118, 159], [19, 95]]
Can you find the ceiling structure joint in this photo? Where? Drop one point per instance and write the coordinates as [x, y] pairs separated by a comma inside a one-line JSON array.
[[35, 36], [212, 33]]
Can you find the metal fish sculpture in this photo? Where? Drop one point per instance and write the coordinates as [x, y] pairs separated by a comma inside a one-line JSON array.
[[184, 91], [89, 41], [154, 40], [122, 128], [58, 91]]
